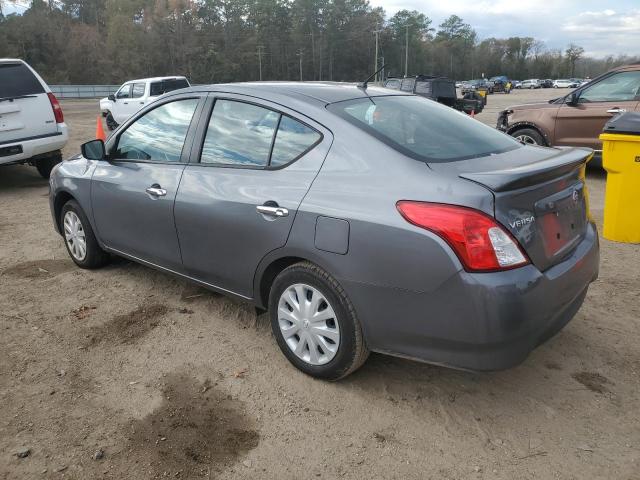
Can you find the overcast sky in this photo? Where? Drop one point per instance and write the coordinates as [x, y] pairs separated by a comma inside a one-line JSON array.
[[601, 27]]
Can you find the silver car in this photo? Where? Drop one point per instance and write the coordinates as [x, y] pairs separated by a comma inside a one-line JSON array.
[[362, 219]]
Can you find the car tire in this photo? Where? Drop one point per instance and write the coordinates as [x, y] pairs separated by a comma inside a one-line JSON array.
[[45, 165], [111, 123], [339, 349], [529, 136], [77, 230]]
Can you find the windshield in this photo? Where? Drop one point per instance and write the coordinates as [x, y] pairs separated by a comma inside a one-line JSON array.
[[423, 129]]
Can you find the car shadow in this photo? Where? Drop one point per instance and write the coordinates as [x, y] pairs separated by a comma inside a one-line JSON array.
[[13, 177]]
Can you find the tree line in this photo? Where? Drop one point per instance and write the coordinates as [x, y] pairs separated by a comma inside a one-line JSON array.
[[212, 41]]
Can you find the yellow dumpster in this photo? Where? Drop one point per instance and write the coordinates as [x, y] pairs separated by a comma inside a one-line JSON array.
[[621, 160], [483, 91]]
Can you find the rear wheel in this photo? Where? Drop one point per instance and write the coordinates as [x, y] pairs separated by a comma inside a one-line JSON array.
[[81, 243], [315, 324], [111, 123], [529, 136], [45, 165]]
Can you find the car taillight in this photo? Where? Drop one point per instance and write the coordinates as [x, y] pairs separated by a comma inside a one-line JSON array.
[[57, 109], [481, 243]]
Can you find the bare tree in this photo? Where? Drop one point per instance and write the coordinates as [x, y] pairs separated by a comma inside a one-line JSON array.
[[573, 53]]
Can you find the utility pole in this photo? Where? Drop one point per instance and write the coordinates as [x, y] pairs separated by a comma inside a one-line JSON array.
[[406, 51], [300, 56], [375, 69], [260, 47]]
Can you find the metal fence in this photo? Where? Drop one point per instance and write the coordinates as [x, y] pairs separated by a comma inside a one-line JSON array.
[[83, 91]]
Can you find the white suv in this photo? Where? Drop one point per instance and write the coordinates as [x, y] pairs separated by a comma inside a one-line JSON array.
[[32, 128], [135, 94]]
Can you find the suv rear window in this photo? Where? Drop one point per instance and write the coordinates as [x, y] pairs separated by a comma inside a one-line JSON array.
[[423, 129], [165, 86], [16, 80]]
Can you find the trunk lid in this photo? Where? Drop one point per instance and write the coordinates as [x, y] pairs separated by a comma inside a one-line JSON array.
[[540, 197], [25, 109]]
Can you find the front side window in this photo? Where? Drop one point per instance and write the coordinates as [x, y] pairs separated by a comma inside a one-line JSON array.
[[423, 129], [124, 92], [138, 90], [239, 134], [620, 87], [159, 135]]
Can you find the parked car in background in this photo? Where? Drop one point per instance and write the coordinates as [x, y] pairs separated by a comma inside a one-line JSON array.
[[32, 127], [281, 194], [458, 84], [531, 83], [501, 84], [473, 85], [575, 82], [516, 83], [440, 89], [576, 119], [135, 94], [563, 83], [546, 83]]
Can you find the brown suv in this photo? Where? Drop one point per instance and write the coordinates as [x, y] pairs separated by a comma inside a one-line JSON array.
[[576, 119]]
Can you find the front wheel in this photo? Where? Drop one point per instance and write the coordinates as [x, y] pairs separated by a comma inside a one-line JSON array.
[[529, 136], [111, 122], [81, 243], [315, 324]]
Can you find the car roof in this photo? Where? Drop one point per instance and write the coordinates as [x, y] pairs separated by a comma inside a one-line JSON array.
[[155, 79], [11, 60], [306, 92]]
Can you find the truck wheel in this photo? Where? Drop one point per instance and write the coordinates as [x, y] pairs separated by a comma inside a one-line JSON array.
[[111, 123], [529, 136], [46, 164]]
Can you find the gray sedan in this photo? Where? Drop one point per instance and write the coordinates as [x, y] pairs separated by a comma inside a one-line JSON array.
[[362, 219]]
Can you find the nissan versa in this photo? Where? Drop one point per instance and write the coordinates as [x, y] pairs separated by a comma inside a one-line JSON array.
[[362, 219]]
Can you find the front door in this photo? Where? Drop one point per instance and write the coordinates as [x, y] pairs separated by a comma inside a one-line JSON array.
[[133, 193], [581, 125], [255, 163]]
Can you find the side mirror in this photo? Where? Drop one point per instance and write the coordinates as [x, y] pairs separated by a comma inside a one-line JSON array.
[[112, 97], [93, 150], [572, 99]]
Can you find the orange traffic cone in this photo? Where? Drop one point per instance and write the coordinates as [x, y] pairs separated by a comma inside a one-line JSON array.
[[99, 130]]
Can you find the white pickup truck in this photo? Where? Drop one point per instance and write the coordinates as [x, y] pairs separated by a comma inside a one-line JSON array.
[[135, 94], [32, 128]]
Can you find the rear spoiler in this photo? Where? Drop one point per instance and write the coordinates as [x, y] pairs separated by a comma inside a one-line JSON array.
[[564, 161]]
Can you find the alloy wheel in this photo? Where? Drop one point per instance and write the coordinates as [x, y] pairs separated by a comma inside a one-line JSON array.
[[308, 324], [74, 236], [526, 139]]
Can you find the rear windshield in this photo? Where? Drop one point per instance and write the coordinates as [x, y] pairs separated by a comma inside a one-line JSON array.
[[164, 86], [423, 129], [16, 80]]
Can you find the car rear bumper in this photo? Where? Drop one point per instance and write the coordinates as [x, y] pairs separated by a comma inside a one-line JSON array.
[[478, 321], [34, 146]]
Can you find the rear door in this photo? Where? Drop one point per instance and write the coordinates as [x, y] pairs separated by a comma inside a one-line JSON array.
[[25, 108], [581, 125], [133, 193], [255, 161]]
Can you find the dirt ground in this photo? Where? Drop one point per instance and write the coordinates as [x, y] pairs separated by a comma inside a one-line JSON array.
[[129, 373]]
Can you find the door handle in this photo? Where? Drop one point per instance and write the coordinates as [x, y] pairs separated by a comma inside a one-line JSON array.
[[272, 211], [156, 191], [617, 110]]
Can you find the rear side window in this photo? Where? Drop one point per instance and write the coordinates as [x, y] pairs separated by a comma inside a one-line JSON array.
[[16, 80], [138, 90], [407, 84], [165, 86], [158, 135], [292, 140], [423, 129], [395, 84], [239, 134]]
